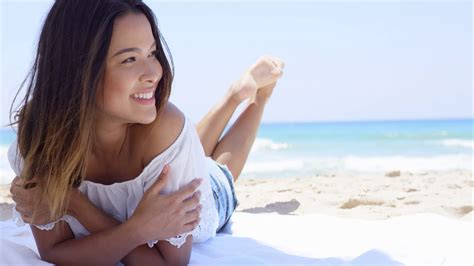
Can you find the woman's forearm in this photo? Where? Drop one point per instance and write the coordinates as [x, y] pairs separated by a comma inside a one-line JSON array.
[[103, 248], [95, 220]]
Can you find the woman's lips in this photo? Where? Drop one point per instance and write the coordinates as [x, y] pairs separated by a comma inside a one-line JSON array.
[[144, 101]]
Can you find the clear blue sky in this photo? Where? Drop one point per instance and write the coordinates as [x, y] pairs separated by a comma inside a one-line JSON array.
[[370, 60]]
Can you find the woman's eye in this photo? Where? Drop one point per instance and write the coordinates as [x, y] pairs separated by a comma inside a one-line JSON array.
[[132, 59], [129, 60], [153, 54]]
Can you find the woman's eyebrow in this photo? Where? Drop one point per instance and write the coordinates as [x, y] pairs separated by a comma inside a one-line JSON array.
[[133, 49]]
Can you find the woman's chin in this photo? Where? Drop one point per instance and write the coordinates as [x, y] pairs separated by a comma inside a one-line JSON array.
[[146, 119], [146, 122]]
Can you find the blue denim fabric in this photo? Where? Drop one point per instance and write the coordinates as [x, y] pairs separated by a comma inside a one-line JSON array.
[[222, 184]]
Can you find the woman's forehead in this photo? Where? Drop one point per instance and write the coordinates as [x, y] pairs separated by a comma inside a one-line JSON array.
[[131, 30]]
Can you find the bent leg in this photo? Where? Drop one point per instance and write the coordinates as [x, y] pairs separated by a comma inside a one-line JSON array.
[[233, 149], [214, 122]]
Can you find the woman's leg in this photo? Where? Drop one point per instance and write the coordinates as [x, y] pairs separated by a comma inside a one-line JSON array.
[[214, 122], [234, 148]]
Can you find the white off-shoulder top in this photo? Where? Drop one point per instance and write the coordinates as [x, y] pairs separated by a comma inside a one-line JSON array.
[[187, 161]]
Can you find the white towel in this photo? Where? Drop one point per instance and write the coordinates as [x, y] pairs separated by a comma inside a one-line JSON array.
[[306, 239]]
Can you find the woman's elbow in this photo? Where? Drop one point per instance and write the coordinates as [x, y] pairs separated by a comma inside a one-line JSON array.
[[174, 255], [47, 255], [182, 261]]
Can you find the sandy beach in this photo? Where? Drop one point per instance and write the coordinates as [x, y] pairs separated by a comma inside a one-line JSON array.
[[367, 197], [370, 196]]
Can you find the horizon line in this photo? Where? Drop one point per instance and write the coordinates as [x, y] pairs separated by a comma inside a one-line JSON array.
[[368, 120], [3, 127]]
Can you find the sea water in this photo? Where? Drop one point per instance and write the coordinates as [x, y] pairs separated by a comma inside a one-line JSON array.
[[308, 149]]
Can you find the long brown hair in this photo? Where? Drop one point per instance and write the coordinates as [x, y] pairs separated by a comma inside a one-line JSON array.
[[55, 118]]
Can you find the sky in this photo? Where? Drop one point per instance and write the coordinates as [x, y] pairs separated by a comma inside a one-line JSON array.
[[345, 60]]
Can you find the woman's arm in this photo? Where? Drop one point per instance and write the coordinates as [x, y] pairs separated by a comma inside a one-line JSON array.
[[58, 246], [156, 217], [96, 220]]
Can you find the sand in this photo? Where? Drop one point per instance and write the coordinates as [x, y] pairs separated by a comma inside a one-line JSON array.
[[369, 196], [374, 196]]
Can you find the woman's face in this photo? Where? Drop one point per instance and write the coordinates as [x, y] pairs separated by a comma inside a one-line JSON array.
[[132, 72]]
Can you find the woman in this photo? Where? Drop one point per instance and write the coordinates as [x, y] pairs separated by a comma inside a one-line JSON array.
[[96, 128]]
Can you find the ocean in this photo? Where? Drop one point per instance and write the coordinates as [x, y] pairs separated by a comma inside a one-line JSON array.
[[308, 149]]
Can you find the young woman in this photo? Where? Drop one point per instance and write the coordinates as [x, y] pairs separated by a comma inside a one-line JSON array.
[[108, 169]]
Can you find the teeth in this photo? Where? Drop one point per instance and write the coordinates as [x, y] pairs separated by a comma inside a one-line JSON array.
[[146, 96]]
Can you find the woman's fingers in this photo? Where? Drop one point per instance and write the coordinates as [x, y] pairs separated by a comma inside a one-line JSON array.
[[22, 189], [23, 198], [30, 185], [20, 194], [17, 181], [26, 200], [26, 219], [22, 207], [192, 216], [188, 190], [191, 226], [16, 185], [22, 210], [192, 203], [160, 182]]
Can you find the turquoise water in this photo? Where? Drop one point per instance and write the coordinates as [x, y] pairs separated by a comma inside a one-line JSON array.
[[307, 149], [372, 138]]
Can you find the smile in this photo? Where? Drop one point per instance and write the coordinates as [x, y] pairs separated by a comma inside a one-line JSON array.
[[145, 96]]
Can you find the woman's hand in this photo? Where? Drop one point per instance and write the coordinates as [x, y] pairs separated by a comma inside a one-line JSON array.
[[159, 216], [25, 197]]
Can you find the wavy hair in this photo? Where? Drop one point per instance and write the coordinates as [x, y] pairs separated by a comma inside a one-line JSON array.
[[55, 117]]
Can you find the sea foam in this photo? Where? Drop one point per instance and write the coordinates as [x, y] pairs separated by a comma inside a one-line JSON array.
[[262, 144], [457, 143], [409, 163], [304, 166]]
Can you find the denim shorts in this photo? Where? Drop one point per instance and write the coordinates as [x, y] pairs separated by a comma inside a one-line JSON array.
[[222, 183]]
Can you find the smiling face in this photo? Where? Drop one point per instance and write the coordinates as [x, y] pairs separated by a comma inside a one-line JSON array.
[[132, 72]]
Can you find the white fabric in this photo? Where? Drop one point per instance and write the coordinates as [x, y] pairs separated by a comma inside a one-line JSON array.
[[187, 161], [269, 239]]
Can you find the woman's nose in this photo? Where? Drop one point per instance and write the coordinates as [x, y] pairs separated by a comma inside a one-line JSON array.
[[152, 73]]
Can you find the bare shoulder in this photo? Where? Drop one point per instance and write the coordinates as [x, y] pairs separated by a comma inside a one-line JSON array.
[[163, 132]]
